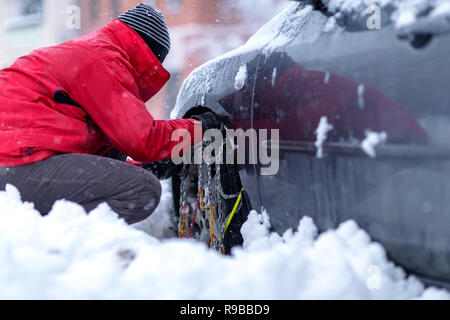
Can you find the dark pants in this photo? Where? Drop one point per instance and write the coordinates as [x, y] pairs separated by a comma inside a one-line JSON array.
[[132, 192]]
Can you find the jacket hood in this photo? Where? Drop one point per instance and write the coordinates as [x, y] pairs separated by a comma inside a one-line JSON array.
[[151, 74]]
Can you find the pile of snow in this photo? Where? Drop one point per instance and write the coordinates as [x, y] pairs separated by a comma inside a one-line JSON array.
[[330, 25], [70, 254], [321, 135], [406, 12], [240, 78], [372, 140]]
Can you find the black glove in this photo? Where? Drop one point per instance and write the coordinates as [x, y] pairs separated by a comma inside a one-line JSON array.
[[163, 169], [209, 120], [166, 169]]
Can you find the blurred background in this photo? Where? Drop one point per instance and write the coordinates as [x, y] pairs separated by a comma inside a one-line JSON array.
[[199, 30]]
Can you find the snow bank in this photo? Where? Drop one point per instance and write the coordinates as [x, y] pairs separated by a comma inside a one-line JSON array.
[[70, 254]]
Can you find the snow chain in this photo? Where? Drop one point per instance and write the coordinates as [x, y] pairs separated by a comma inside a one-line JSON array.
[[183, 226], [214, 201]]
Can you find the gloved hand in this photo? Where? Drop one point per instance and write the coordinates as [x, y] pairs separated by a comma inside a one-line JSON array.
[[166, 169], [163, 169], [209, 120]]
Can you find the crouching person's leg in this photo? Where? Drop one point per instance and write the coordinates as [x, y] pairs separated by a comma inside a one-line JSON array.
[[132, 192]]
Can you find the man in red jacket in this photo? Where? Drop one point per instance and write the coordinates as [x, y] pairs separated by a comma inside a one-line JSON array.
[[64, 109]]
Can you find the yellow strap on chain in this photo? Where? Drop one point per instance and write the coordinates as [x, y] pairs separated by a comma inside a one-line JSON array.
[[236, 206], [211, 224], [182, 231], [202, 202]]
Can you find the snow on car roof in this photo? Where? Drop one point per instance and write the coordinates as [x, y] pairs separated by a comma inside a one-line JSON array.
[[284, 28], [278, 31], [406, 12]]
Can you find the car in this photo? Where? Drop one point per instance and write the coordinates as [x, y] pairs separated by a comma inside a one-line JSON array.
[[361, 98]]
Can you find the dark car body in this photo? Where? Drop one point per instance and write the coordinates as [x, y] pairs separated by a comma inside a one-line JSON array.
[[389, 79]]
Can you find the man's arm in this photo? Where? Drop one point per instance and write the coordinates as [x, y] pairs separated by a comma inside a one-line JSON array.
[[110, 95]]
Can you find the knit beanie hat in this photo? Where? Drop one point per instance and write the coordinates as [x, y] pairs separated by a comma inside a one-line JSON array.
[[151, 25]]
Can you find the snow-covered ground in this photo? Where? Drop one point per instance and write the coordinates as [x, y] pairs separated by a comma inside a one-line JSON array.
[[70, 254]]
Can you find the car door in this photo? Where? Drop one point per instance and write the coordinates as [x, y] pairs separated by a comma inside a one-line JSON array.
[[366, 86]]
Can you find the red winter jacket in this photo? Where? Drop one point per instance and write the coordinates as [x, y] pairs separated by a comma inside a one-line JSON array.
[[85, 96]]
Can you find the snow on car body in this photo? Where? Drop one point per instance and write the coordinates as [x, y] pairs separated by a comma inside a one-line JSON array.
[[393, 79]]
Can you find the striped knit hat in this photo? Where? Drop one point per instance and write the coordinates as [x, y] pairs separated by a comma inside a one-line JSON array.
[[151, 25]]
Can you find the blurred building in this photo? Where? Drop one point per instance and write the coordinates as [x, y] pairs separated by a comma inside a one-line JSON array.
[[29, 24]]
